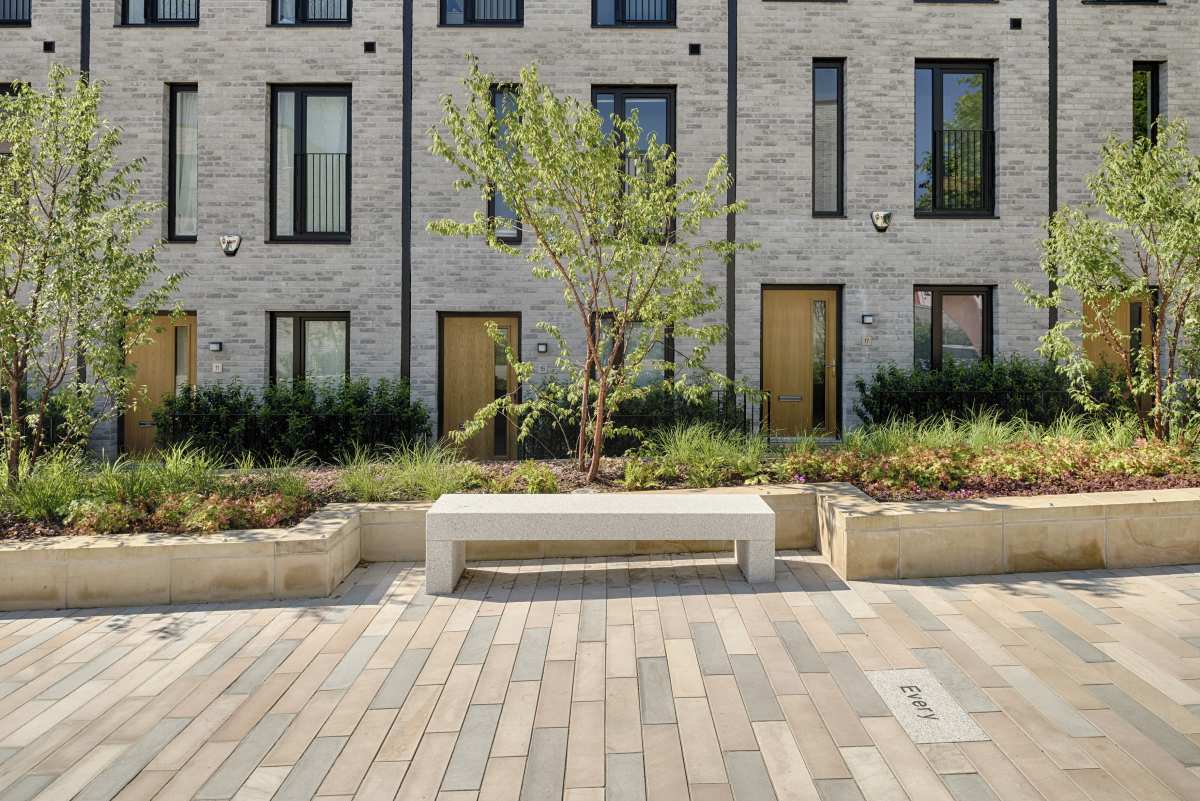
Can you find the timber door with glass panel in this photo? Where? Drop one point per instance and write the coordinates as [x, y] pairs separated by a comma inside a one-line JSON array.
[[474, 372], [799, 359], [164, 363], [1129, 330]]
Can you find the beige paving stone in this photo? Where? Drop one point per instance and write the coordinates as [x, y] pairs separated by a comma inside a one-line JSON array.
[[516, 720]]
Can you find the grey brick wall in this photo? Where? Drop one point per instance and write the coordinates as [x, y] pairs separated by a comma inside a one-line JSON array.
[[234, 55]]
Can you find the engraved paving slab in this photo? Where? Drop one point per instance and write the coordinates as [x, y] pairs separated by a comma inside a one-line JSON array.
[[924, 708]]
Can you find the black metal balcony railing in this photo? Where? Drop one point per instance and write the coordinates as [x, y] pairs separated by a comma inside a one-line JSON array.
[[645, 10], [326, 192], [963, 171], [14, 12], [326, 10], [495, 11]]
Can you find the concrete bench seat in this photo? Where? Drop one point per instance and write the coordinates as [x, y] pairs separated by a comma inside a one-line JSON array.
[[455, 520]]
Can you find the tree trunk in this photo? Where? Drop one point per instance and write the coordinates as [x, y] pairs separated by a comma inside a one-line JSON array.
[[598, 433], [13, 434], [581, 441]]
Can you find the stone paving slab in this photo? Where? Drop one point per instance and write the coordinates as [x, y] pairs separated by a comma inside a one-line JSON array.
[[642, 678]]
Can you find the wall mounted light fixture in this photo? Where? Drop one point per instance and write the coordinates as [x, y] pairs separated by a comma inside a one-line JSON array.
[[230, 244], [881, 220]]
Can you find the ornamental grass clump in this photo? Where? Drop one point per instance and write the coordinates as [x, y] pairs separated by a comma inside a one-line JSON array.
[[703, 455]]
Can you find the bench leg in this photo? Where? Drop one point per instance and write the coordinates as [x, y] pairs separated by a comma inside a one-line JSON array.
[[756, 558], [444, 563]]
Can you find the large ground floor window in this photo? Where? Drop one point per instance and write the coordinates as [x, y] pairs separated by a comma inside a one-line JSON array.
[[313, 346], [951, 323]]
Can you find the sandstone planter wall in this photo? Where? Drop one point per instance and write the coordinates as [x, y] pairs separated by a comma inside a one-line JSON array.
[[866, 539]]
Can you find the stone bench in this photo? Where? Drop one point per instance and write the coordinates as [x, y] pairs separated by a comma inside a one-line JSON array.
[[455, 520]]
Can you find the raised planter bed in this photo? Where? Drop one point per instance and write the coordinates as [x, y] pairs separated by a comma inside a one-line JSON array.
[[865, 539]]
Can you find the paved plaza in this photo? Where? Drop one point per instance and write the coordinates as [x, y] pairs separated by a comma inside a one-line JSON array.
[[619, 678]]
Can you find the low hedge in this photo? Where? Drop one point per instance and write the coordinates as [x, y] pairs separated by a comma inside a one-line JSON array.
[[286, 421]]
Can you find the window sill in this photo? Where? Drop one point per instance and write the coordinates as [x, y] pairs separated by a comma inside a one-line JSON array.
[[1124, 2], [181, 240], [193, 24], [952, 215], [16, 24], [642, 25], [829, 215], [305, 240], [519, 24], [334, 23]]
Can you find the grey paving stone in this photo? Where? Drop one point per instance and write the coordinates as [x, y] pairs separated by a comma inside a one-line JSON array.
[[418, 606], [85, 673], [593, 617], [352, 663], [400, 679], [748, 776], [625, 778], [710, 650], [238, 766], [545, 766], [34, 640], [838, 790], [958, 684], [757, 693], [112, 779], [1047, 702], [1077, 605], [309, 771], [968, 787], [1072, 641], [475, 647], [531, 655], [7, 753], [263, 667], [27, 787], [467, 763], [1149, 724], [654, 687], [834, 613], [225, 649], [804, 654], [854, 685], [916, 610]]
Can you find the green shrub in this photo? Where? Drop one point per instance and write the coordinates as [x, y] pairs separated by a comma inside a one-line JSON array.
[[703, 455], [46, 492], [1011, 388], [416, 472], [292, 420], [536, 478]]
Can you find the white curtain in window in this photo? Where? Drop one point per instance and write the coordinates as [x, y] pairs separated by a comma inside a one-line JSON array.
[[187, 128], [325, 349], [285, 170], [325, 147]]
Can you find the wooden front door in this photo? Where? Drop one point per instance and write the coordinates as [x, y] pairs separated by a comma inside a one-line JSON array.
[[1128, 316], [799, 336], [164, 363], [474, 373]]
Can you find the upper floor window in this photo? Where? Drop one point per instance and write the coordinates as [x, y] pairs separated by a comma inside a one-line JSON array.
[[955, 144], [312, 12], [633, 12], [482, 12], [310, 346], [828, 139], [1145, 99], [655, 109], [951, 323], [182, 167], [159, 12], [310, 163], [508, 226], [15, 12]]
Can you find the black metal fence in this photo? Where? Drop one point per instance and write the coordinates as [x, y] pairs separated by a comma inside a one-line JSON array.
[[646, 10], [14, 12], [325, 175], [326, 10], [963, 170], [496, 11]]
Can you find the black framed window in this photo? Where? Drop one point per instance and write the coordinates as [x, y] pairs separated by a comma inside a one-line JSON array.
[[482, 12], [661, 352], [310, 163], [1145, 99], [182, 166], [504, 218], [655, 107], [954, 171], [828, 142], [7, 89], [159, 12], [15, 12], [951, 323], [310, 346], [612, 13], [311, 12]]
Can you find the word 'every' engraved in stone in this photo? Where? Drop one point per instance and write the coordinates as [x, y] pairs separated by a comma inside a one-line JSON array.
[[923, 707]]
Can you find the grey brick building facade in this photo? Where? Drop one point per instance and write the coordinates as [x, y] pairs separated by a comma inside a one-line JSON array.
[[396, 284]]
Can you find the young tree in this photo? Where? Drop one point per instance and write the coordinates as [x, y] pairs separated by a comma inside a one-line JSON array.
[[611, 222], [72, 279], [1137, 241]]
